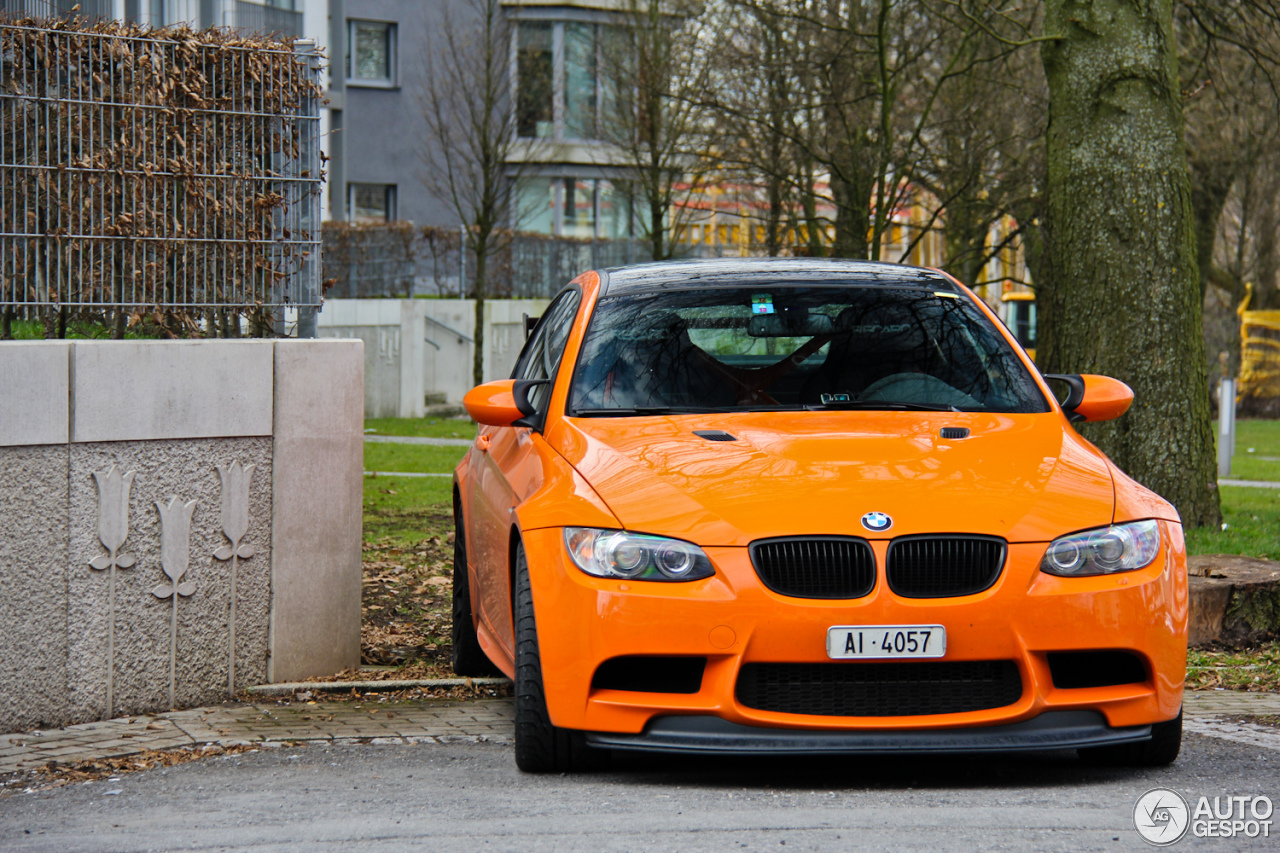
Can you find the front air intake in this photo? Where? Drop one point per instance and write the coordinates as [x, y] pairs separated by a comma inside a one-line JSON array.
[[1074, 670], [650, 674]]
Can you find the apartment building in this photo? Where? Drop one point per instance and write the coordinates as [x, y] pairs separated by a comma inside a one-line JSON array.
[[557, 54]]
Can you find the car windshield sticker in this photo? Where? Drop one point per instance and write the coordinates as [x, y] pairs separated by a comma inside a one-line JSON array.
[[761, 303]]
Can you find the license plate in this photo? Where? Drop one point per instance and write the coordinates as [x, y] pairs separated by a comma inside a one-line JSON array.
[[886, 641]]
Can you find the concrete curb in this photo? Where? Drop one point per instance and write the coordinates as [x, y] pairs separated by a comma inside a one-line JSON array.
[[370, 686], [409, 439]]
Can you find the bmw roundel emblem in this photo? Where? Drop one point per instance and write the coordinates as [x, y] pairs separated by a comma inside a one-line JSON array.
[[877, 521]]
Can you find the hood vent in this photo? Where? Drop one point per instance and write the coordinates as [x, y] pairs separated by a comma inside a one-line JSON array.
[[955, 432], [717, 435]]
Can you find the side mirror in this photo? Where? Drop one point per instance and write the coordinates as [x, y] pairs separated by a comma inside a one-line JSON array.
[[1091, 397], [504, 402]]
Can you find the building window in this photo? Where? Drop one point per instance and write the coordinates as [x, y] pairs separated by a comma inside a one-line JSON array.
[[535, 206], [371, 202], [579, 208], [617, 217], [560, 87], [535, 80], [575, 207], [371, 53], [580, 80]]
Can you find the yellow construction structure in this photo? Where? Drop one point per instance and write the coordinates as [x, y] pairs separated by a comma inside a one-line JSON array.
[[1259, 352]]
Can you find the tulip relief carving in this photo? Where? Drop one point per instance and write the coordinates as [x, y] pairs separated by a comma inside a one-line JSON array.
[[235, 523], [175, 556], [113, 530]]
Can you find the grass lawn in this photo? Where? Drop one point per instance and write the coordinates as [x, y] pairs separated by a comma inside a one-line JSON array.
[[1257, 455], [1248, 669], [1252, 519], [30, 330], [421, 427], [1252, 516], [415, 458], [408, 551]]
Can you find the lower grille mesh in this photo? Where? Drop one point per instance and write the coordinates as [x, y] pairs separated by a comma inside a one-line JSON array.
[[879, 689]]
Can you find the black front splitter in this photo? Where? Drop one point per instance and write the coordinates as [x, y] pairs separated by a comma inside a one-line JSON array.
[[712, 735]]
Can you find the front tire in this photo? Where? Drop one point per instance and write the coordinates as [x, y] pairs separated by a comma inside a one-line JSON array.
[[540, 746], [1160, 751], [468, 657]]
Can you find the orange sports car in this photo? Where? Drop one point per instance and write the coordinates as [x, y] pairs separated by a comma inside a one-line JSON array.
[[808, 507]]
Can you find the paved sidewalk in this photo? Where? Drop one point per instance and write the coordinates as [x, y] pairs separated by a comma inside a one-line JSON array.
[[423, 721], [1252, 484]]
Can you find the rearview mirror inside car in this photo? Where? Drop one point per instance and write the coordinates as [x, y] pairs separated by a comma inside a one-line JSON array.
[[789, 324]]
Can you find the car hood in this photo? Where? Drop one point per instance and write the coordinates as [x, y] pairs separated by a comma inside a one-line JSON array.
[[1024, 477]]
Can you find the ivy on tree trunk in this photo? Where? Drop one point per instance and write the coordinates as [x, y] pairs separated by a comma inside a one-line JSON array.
[[1124, 295]]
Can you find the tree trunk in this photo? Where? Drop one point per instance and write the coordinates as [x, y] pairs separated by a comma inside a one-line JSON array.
[[1125, 293], [657, 225], [966, 238], [1210, 187], [853, 219], [482, 258]]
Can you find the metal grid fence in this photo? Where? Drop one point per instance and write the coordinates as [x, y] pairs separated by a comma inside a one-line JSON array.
[[401, 260], [146, 169]]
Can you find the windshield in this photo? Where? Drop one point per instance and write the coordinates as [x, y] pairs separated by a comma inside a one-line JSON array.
[[814, 347]]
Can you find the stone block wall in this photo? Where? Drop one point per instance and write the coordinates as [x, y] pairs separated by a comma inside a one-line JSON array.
[[177, 520]]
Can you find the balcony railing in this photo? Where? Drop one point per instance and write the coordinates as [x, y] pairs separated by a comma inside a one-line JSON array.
[[259, 18], [56, 8]]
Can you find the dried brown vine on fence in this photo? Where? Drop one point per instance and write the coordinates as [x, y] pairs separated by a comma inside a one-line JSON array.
[[155, 169]]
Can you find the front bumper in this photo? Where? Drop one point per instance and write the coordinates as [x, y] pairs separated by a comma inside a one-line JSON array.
[[732, 619]]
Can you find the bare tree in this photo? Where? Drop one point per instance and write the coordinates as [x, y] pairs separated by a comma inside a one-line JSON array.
[[657, 66], [981, 149], [471, 135]]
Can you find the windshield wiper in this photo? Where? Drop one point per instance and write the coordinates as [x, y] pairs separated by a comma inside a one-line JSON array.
[[879, 405], [642, 410]]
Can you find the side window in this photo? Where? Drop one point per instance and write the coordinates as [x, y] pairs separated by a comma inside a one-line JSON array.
[[542, 353]]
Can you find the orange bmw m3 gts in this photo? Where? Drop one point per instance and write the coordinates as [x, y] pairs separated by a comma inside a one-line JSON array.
[[808, 507]]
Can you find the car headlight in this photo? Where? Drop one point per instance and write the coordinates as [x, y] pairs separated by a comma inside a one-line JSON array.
[[635, 556], [1118, 548]]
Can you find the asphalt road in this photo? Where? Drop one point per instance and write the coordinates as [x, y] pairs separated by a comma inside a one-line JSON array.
[[470, 797]]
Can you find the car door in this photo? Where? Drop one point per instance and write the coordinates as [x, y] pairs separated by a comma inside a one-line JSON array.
[[510, 470]]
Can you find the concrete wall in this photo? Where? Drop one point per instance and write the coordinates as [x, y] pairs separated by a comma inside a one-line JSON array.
[[176, 519], [418, 346]]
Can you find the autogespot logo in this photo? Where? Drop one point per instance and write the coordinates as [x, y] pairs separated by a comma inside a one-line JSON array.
[[877, 521], [1161, 816]]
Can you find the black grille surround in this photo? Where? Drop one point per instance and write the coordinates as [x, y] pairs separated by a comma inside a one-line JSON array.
[[943, 565], [892, 689], [815, 566]]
